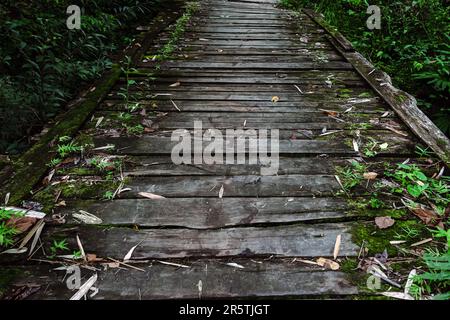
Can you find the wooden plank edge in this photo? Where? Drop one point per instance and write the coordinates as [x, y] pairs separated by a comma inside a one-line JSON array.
[[404, 104]]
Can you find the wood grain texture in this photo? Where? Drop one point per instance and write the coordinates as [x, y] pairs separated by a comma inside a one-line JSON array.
[[269, 279]]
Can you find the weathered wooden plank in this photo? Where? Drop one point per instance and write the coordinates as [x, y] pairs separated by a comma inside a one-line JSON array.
[[247, 88], [164, 166], [317, 74], [268, 279], [299, 58], [227, 78], [251, 117], [284, 241], [255, 29], [292, 42], [229, 96], [234, 186], [174, 116], [331, 65], [225, 16], [201, 45], [207, 213], [163, 145], [304, 37], [246, 106], [272, 44], [147, 166], [255, 36]]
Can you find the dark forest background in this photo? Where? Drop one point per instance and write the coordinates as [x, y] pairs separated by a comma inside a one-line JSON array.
[[43, 64]]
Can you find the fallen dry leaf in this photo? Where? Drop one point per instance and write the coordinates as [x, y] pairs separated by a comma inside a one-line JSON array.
[[327, 263], [36, 231], [90, 257], [48, 178], [337, 246], [150, 195], [221, 192], [355, 146], [15, 251], [384, 146], [429, 217], [130, 253], [396, 242], [384, 222], [22, 224], [200, 288], [410, 281], [173, 264], [175, 105], [99, 121], [330, 113], [275, 99], [7, 198], [307, 262], [62, 203], [149, 130], [80, 246], [176, 84], [298, 89], [370, 175]]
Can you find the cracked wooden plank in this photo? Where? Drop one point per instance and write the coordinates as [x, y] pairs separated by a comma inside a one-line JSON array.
[[268, 279], [207, 213], [283, 241]]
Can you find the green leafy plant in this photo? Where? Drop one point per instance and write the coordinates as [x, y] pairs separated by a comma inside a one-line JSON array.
[[126, 68], [135, 130], [412, 179], [376, 203], [437, 277], [108, 195], [58, 246], [7, 231], [66, 149], [54, 162], [77, 254], [423, 152], [351, 176]]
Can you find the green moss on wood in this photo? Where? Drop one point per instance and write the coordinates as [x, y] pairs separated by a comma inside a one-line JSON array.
[[31, 167], [377, 240]]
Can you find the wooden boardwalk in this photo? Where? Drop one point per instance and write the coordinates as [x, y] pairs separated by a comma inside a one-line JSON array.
[[241, 64]]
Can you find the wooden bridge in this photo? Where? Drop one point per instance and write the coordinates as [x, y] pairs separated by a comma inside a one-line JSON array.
[[224, 231]]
